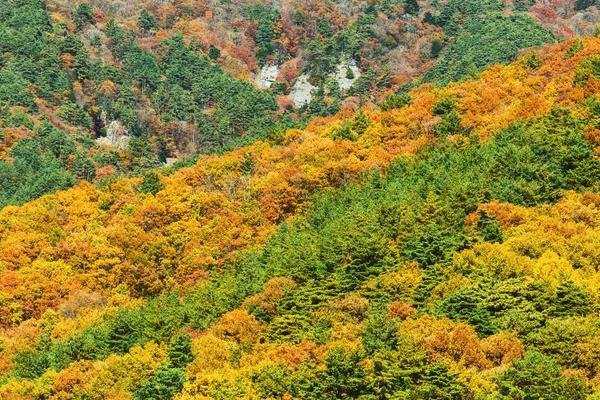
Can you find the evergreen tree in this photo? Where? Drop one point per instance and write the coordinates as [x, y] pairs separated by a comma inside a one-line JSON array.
[[81, 65], [31, 364], [436, 48], [125, 330], [361, 122], [163, 317], [213, 52], [432, 245], [344, 377], [163, 386], [84, 168], [146, 21], [575, 48], [395, 102], [247, 165], [584, 4], [571, 300], [151, 183], [180, 351], [488, 228], [349, 73], [411, 7], [469, 304], [84, 14], [537, 377], [379, 334]]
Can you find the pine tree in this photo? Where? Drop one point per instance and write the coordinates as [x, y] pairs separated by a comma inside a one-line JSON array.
[[379, 334], [180, 351], [436, 48], [361, 122], [125, 330], [84, 14], [584, 4], [349, 73], [84, 168], [146, 21], [164, 386], [411, 7], [487, 227], [247, 165], [571, 300], [151, 183], [538, 377], [213, 52], [81, 65]]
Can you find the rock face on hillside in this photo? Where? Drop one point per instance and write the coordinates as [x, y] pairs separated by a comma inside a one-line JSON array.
[[347, 73], [116, 136], [301, 93], [267, 76]]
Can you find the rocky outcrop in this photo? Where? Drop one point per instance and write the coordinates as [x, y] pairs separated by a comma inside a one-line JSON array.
[[116, 136], [267, 76], [301, 93], [343, 77]]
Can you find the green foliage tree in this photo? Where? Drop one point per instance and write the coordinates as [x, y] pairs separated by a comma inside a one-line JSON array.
[[164, 385], [180, 351], [537, 377], [479, 43], [584, 4], [408, 373], [163, 317], [571, 300], [125, 330], [411, 7], [83, 15], [151, 183], [214, 53], [31, 364], [469, 305], [379, 334], [488, 228], [395, 102], [344, 377], [575, 48], [84, 168], [146, 21], [361, 122]]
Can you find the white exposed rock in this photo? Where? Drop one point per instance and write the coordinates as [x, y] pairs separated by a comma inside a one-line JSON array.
[[170, 161], [116, 136], [301, 93], [267, 76], [341, 74], [92, 32]]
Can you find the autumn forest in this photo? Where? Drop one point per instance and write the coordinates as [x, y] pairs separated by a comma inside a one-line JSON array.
[[299, 200]]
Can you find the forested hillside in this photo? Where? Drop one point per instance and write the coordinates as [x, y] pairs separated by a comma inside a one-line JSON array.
[[99, 90], [440, 245], [299, 200]]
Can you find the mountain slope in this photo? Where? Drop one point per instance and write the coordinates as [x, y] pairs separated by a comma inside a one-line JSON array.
[[100, 90], [443, 249]]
